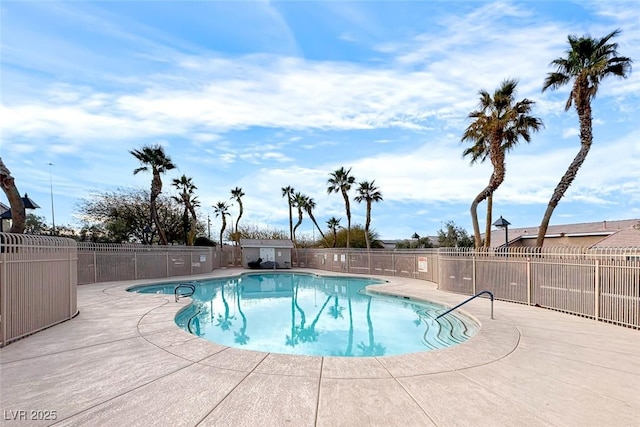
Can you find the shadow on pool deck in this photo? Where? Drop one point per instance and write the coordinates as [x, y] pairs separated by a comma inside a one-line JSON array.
[[123, 361]]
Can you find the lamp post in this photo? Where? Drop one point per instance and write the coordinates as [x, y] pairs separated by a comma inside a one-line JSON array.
[[53, 214], [146, 231], [503, 223], [417, 237]]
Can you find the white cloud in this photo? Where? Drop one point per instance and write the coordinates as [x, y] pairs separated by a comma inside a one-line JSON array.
[[570, 132]]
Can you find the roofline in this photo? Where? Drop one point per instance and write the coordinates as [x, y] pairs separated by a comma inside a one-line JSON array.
[[583, 234]]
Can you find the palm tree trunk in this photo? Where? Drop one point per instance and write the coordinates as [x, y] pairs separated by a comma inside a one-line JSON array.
[[487, 234], [224, 225], [474, 217], [316, 224], [586, 138], [367, 224], [18, 215], [194, 225], [348, 210], [156, 189], [290, 218]]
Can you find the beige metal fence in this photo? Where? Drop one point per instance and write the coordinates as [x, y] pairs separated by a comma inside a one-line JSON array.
[[37, 283], [99, 262], [603, 284], [38, 275]]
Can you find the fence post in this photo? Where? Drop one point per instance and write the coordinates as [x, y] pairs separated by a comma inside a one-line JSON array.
[[4, 293], [167, 258], [596, 293], [529, 281], [191, 263], [473, 274], [135, 264], [95, 266], [72, 271]]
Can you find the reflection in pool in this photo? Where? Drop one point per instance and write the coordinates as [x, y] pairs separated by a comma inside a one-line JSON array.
[[298, 313]]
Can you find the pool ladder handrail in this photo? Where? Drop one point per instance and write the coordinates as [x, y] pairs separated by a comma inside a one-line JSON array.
[[467, 300], [179, 295]]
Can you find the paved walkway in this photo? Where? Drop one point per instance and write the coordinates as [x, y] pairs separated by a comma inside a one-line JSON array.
[[124, 362]]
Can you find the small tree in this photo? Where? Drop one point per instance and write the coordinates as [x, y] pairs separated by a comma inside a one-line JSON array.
[[454, 236]]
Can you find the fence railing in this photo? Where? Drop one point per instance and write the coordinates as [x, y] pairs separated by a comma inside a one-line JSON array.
[[602, 284], [99, 262], [37, 283], [38, 275]]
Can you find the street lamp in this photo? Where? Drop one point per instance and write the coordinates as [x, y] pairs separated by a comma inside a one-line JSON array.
[[146, 231], [417, 237], [503, 223], [53, 215]]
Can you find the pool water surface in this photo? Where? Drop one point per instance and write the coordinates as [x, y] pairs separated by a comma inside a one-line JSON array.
[[307, 314]]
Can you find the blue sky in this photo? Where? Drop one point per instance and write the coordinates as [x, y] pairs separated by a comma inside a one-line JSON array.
[[262, 95]]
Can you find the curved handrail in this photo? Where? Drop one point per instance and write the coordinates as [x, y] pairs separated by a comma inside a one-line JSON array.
[[179, 295], [467, 300]]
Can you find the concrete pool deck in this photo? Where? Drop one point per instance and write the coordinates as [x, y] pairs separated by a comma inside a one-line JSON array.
[[123, 362]]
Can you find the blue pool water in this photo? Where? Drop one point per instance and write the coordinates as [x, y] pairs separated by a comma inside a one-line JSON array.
[[298, 313]]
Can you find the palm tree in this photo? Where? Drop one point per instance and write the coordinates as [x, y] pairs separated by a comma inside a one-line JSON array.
[[221, 209], [334, 223], [340, 182], [310, 334], [335, 310], [224, 322], [373, 348], [18, 214], [153, 157], [588, 60], [309, 207], [186, 188], [241, 337], [367, 191], [497, 126], [288, 192], [236, 194], [299, 201]]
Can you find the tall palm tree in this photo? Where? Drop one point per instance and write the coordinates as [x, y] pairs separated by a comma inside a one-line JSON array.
[[588, 60], [334, 223], [340, 182], [221, 209], [186, 188], [18, 214], [309, 207], [236, 194], [288, 192], [497, 126], [368, 192], [153, 157], [373, 348], [241, 336], [298, 201]]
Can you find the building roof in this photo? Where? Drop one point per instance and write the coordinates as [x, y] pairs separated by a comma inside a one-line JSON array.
[[266, 243], [3, 208], [619, 233]]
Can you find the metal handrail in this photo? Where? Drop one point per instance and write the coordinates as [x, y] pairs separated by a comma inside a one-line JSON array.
[[179, 295], [467, 300]]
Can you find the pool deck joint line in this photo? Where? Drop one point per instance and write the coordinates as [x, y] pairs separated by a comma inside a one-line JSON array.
[[123, 361]]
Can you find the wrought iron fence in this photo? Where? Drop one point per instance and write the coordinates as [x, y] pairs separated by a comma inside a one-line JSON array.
[[39, 274], [37, 283], [602, 284], [100, 262]]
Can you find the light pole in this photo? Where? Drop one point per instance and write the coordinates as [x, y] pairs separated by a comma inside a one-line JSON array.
[[53, 213], [503, 223]]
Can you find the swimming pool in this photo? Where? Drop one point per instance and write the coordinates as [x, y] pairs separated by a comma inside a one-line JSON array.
[[301, 313]]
